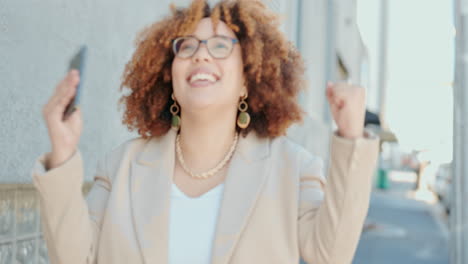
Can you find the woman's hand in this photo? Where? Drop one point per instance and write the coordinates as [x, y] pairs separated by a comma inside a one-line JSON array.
[[347, 103], [64, 134]]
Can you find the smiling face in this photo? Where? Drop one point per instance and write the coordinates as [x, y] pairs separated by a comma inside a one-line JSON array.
[[202, 81]]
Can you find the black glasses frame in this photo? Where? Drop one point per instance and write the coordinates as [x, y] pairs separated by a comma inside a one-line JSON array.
[[205, 41]]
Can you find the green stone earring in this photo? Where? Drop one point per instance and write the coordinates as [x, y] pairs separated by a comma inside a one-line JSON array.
[[243, 120], [175, 111]]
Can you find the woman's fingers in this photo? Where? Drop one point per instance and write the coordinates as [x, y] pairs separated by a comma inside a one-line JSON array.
[[65, 83], [76, 120], [64, 92], [64, 134], [337, 93], [334, 95], [69, 84], [347, 103]]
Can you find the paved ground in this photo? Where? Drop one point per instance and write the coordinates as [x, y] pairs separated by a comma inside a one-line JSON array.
[[402, 230]]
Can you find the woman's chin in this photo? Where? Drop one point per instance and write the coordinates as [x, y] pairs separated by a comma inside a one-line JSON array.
[[201, 98], [199, 103], [204, 98]]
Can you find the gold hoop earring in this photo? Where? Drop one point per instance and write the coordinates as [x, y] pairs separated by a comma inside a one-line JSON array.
[[243, 120], [175, 109]]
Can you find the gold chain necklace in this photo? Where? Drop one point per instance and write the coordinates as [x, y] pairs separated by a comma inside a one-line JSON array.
[[211, 172]]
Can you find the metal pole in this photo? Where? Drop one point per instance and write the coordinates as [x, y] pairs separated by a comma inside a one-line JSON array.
[[330, 53], [298, 37], [382, 74], [459, 211]]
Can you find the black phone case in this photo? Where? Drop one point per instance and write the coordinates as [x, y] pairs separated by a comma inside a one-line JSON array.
[[77, 62]]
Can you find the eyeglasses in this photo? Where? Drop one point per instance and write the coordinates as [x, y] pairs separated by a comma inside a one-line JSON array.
[[219, 47]]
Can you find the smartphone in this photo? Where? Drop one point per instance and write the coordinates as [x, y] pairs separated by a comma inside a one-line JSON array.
[[77, 62]]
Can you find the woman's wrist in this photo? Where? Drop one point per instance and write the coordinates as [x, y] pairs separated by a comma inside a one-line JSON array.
[[364, 134], [55, 159], [352, 134]]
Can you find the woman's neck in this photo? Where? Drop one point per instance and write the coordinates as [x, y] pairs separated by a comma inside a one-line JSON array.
[[206, 139]]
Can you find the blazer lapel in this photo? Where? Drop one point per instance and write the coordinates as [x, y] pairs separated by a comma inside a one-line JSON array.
[[243, 183], [151, 178]]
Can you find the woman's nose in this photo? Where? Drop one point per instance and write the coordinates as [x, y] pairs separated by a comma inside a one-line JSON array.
[[201, 54]]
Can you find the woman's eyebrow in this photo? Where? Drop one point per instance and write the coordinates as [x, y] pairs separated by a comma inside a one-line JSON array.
[[215, 35]]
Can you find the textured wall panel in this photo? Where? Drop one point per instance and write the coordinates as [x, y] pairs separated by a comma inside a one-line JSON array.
[[37, 38]]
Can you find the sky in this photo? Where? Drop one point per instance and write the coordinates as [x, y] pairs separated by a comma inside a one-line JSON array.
[[419, 102]]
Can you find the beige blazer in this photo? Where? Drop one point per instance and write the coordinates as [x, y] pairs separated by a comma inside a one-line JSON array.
[[276, 208]]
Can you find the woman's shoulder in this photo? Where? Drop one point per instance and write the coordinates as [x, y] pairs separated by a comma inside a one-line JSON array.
[[128, 146], [284, 145], [308, 163], [124, 151]]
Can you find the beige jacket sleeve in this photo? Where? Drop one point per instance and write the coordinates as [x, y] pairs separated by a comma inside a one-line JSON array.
[[70, 225], [333, 210]]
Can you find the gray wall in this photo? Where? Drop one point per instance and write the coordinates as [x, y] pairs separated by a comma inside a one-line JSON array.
[[37, 39]]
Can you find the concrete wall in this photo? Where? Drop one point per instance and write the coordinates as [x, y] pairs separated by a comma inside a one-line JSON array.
[[36, 42], [349, 45], [370, 23], [327, 31], [37, 38]]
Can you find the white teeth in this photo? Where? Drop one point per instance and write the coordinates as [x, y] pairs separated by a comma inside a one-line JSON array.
[[203, 77]]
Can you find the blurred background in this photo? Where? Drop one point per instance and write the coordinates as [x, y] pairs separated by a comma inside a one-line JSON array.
[[408, 54]]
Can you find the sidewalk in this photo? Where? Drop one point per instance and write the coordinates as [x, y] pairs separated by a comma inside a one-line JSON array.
[[400, 229]]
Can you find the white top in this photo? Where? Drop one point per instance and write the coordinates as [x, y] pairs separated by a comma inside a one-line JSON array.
[[192, 225]]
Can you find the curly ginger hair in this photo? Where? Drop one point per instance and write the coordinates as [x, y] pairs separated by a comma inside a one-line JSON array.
[[273, 68]]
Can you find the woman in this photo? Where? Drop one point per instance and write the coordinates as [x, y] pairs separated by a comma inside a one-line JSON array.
[[211, 179]]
